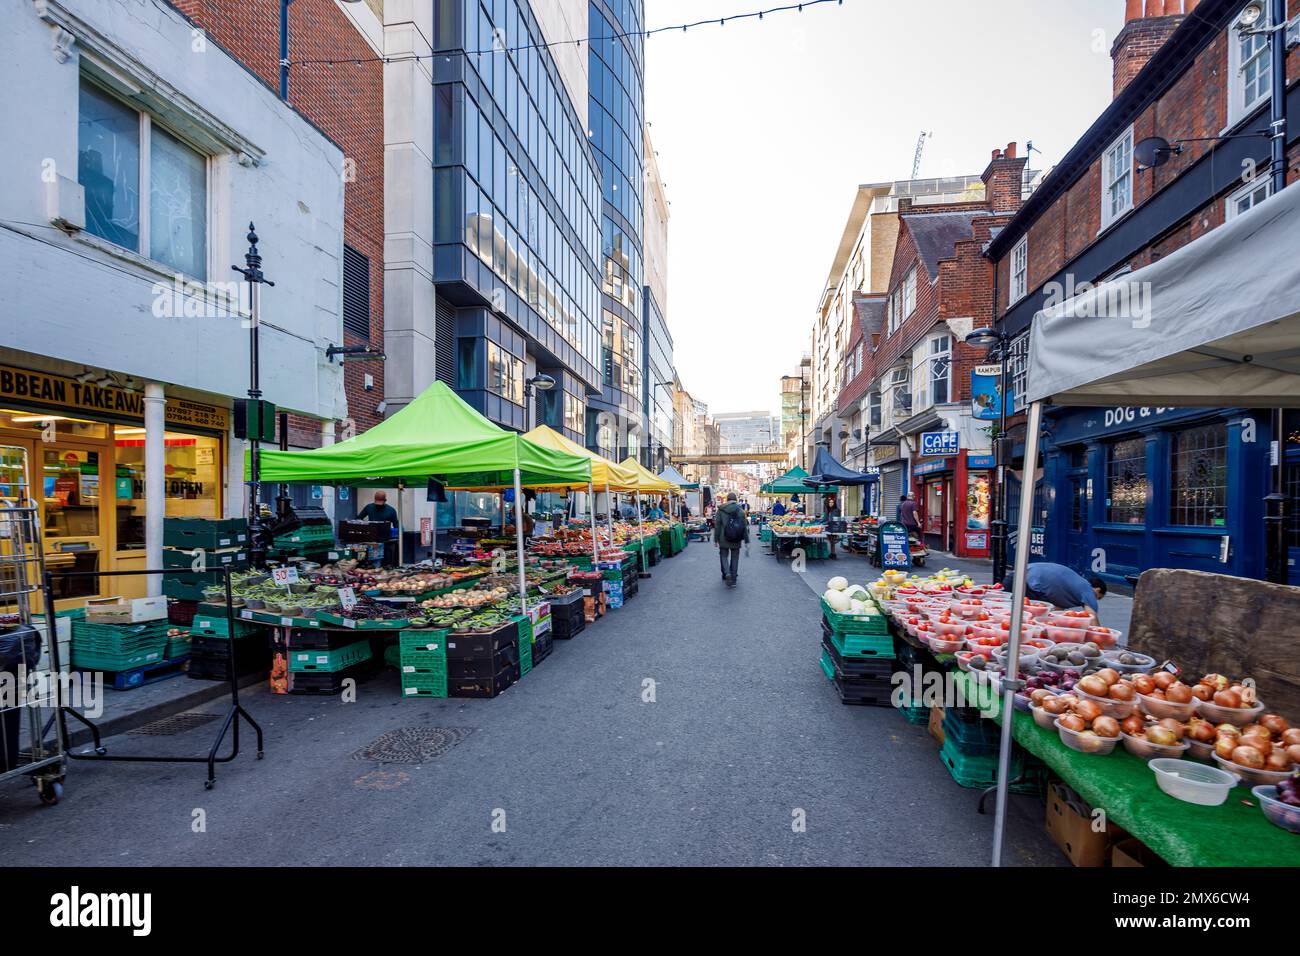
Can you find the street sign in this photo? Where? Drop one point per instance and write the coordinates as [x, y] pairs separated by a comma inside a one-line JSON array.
[[894, 553], [940, 444]]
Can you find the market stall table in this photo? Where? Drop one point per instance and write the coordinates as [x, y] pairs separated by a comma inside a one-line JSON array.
[[1184, 834]]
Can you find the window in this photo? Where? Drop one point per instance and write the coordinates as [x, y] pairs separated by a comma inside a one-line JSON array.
[[909, 292], [900, 401], [1020, 270], [505, 374], [874, 404], [1248, 197], [146, 191], [193, 475], [1198, 491], [1018, 370], [896, 309], [940, 364], [574, 413], [1117, 179], [1126, 482], [356, 293], [1249, 72]]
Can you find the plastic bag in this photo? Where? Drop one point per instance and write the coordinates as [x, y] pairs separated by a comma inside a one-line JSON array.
[[19, 645]]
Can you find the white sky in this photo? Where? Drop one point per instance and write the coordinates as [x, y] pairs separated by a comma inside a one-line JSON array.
[[765, 129]]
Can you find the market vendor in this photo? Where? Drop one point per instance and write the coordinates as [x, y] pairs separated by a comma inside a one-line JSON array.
[[381, 510], [778, 509], [831, 513], [1060, 586]]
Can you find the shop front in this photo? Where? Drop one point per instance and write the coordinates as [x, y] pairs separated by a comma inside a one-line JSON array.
[[954, 497], [886, 461], [932, 488], [1132, 488], [78, 448]]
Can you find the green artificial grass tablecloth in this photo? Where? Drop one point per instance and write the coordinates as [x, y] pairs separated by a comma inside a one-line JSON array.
[[1184, 834]]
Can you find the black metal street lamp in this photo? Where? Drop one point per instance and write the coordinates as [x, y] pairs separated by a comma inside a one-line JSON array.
[[542, 382], [989, 340], [253, 275]]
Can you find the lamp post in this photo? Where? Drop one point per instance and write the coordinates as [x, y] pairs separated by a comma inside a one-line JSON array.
[[253, 275], [990, 339], [1273, 15], [542, 382]]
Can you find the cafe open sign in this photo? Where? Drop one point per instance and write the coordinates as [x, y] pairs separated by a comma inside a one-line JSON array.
[[940, 444]]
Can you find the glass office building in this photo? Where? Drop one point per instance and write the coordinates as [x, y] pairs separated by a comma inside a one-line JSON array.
[[615, 419], [517, 220], [658, 387]]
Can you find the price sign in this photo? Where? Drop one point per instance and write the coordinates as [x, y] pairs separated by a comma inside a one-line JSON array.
[[894, 552], [348, 598], [283, 577]]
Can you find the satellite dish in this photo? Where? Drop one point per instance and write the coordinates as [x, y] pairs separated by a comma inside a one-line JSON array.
[[1154, 151]]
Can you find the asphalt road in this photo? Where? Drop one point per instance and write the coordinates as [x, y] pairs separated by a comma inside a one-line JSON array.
[[573, 765]]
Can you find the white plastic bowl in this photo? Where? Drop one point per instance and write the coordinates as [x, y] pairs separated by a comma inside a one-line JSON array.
[[1251, 777], [1146, 750], [1042, 718], [1192, 782], [1119, 709], [1163, 708], [1283, 815], [1241, 716], [1085, 744]]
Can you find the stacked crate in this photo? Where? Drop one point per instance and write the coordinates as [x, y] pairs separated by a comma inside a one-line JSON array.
[[970, 751], [915, 663], [568, 617], [220, 543], [483, 664], [118, 647], [543, 628], [860, 653], [215, 638], [422, 663]]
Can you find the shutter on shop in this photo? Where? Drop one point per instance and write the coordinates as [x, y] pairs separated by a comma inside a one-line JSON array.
[[444, 344], [891, 486]]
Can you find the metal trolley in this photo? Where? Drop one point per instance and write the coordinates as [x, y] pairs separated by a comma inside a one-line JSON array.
[[30, 682]]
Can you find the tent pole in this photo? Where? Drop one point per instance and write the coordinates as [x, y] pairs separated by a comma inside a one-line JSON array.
[[640, 533], [609, 512], [591, 510], [519, 542], [400, 488], [1010, 683]]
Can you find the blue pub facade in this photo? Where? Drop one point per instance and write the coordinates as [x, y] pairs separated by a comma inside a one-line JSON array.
[[1128, 488]]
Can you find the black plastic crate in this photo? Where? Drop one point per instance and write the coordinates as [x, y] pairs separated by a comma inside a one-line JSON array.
[[482, 687], [860, 667], [542, 649], [317, 639], [483, 667], [219, 647], [211, 667], [564, 629], [181, 613], [326, 682], [972, 738], [870, 693], [473, 646]]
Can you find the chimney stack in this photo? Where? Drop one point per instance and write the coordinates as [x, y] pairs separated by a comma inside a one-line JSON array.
[[1004, 181], [1147, 25]]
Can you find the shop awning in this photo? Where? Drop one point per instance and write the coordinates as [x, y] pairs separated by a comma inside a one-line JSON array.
[[675, 477], [828, 471], [1216, 324], [646, 480], [792, 483], [436, 436]]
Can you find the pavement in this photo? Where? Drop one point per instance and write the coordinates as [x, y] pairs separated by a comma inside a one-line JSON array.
[[693, 726]]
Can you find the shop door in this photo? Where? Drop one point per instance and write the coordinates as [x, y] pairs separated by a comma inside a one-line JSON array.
[[936, 514], [69, 488], [1291, 486], [1079, 538]]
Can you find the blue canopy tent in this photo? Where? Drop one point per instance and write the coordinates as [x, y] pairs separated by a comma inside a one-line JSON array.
[[828, 471]]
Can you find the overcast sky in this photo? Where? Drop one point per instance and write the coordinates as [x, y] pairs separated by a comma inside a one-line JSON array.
[[765, 128]]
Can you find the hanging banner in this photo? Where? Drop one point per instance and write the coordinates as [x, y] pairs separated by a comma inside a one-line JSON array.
[[986, 393]]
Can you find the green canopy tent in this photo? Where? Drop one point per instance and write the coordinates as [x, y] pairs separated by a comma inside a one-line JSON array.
[[436, 436], [792, 483]]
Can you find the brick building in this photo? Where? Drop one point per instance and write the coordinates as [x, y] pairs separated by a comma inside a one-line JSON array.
[[915, 386], [1152, 487], [346, 102]]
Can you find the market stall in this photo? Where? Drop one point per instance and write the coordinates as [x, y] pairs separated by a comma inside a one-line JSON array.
[[649, 483], [1212, 330]]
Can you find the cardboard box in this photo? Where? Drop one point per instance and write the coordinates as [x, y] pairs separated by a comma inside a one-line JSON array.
[[1070, 825], [935, 726], [1133, 852], [118, 610]]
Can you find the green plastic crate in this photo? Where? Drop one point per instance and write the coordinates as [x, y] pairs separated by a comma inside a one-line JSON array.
[[179, 560], [424, 685], [329, 661], [980, 771], [219, 626], [876, 623], [177, 647], [915, 715], [431, 639], [525, 640], [85, 659], [393, 656], [828, 667], [189, 533], [863, 645], [118, 638]]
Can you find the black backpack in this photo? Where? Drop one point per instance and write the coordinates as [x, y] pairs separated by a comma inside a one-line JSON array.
[[733, 532]]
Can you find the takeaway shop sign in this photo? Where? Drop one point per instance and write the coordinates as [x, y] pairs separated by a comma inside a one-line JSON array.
[[21, 386]]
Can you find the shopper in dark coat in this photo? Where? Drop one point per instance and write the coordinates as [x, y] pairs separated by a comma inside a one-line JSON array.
[[730, 531]]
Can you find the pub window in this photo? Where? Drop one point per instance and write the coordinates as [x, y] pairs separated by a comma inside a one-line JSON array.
[[1198, 469], [145, 189], [1126, 482]]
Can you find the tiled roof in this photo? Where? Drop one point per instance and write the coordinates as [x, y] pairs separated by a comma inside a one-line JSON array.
[[936, 234]]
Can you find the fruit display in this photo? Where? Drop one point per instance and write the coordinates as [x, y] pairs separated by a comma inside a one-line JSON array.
[[470, 597], [1281, 803], [844, 598]]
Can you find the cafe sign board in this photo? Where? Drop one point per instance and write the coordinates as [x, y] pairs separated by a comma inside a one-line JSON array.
[[24, 387]]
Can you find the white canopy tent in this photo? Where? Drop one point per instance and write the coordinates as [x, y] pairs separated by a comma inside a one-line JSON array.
[[1214, 324]]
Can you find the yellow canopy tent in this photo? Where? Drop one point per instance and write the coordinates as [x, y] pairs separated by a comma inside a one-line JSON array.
[[647, 481], [612, 476]]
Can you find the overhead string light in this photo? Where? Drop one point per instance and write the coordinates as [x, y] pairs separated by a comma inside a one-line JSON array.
[[684, 27]]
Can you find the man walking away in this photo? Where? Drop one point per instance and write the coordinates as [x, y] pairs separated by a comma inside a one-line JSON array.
[[730, 531], [906, 515]]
